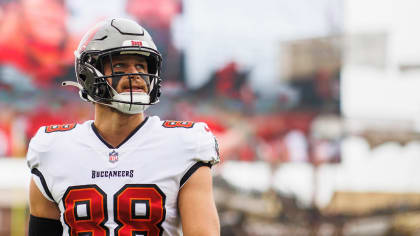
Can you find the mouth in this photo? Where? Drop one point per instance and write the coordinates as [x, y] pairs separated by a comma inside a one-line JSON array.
[[134, 89]]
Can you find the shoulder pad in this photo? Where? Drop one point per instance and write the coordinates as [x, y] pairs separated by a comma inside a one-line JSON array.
[[197, 137], [46, 135], [41, 140], [207, 146]]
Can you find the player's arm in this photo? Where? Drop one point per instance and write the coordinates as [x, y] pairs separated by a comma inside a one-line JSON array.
[[196, 205], [45, 215]]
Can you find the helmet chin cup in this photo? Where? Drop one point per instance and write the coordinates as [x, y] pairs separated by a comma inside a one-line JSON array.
[[123, 103], [129, 108]]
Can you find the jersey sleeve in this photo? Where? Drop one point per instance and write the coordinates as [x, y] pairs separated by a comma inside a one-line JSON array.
[[207, 148], [38, 147]]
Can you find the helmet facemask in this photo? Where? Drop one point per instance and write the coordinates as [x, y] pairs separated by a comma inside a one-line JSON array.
[[105, 93]]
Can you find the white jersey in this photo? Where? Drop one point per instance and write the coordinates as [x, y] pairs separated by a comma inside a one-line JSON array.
[[128, 190]]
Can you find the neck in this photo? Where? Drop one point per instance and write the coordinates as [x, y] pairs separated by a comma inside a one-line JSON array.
[[114, 126]]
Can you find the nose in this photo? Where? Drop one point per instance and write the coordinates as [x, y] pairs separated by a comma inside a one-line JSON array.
[[140, 80], [132, 69]]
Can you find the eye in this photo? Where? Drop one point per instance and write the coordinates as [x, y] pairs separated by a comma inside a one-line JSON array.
[[140, 66], [118, 65]]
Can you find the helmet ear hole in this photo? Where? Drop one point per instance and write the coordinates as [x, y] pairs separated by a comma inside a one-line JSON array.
[[82, 77], [102, 91]]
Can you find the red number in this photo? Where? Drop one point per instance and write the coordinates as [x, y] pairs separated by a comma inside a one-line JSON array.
[[178, 124], [55, 128], [85, 210], [139, 209]]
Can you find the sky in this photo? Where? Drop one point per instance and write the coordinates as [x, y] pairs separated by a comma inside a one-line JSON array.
[[386, 93]]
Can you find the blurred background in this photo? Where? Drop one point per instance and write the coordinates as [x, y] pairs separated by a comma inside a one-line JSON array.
[[314, 104]]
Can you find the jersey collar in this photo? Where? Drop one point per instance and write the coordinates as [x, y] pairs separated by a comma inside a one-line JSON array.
[[95, 130]]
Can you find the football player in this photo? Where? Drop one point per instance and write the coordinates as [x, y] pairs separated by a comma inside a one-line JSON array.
[[122, 174]]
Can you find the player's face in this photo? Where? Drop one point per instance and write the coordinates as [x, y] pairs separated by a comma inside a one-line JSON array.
[[126, 64]]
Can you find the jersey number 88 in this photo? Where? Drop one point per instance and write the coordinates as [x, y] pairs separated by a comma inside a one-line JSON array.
[[86, 210]]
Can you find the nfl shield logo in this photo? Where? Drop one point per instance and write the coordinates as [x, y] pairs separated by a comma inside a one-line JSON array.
[[113, 156]]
